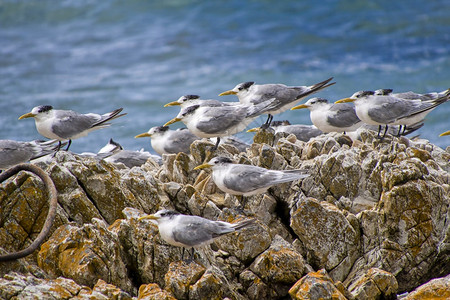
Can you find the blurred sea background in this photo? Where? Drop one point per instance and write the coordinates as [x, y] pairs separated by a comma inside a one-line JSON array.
[[96, 56]]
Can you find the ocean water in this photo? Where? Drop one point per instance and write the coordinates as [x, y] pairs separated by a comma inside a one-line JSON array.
[[96, 56]]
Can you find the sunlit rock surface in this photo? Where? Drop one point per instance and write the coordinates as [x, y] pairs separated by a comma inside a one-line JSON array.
[[372, 221]]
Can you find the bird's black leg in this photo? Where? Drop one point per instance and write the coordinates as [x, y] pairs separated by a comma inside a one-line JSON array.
[[269, 120], [385, 130], [68, 145], [192, 255], [404, 129], [57, 149], [379, 131]]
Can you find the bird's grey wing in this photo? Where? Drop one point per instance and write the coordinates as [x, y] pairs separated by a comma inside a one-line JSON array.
[[343, 115], [71, 123], [180, 141], [216, 120], [303, 132], [194, 231], [387, 111]]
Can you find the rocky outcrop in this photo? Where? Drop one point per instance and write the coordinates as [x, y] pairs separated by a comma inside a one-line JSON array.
[[372, 221]]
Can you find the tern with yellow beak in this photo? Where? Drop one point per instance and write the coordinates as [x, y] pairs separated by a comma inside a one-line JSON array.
[[167, 141], [63, 125], [247, 180], [188, 100], [390, 110], [331, 117], [192, 231], [219, 121], [283, 96]]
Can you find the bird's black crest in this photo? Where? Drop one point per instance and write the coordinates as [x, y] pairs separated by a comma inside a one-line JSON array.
[[320, 100], [247, 84], [364, 93], [44, 108], [161, 128], [223, 160], [190, 109], [169, 213], [191, 97]]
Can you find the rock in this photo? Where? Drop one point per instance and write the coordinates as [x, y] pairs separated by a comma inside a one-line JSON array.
[[315, 285], [181, 276], [279, 267], [375, 284], [434, 289], [85, 254], [152, 291], [330, 240]]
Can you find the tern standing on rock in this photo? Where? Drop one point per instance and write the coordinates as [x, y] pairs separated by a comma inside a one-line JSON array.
[[65, 125], [331, 117], [247, 180], [219, 121], [389, 110], [16, 152], [285, 97], [192, 231]]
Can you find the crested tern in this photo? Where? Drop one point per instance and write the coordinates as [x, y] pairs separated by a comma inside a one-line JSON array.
[[331, 117], [284, 96], [390, 110], [219, 121], [65, 125], [113, 152], [192, 231], [167, 141], [247, 180]]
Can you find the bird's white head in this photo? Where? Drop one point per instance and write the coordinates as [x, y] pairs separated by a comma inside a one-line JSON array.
[[216, 161], [38, 112], [162, 215], [240, 90]]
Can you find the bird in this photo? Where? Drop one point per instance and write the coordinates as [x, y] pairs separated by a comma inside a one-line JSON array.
[[113, 152], [167, 141], [410, 95], [17, 152], [284, 96], [192, 231], [390, 110], [247, 180], [445, 133], [302, 132], [188, 100], [219, 121], [65, 125], [331, 117]]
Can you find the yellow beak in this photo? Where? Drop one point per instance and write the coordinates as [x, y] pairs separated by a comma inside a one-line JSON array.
[[345, 100], [445, 133], [145, 134], [203, 166], [253, 129], [151, 217], [174, 120], [230, 92], [172, 104], [300, 106], [28, 115]]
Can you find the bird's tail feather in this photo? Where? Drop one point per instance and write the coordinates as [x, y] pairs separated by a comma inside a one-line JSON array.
[[317, 87], [109, 116], [243, 224]]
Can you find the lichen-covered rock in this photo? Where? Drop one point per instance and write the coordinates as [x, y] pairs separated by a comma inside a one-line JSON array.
[[315, 285], [329, 238], [375, 284], [85, 254], [434, 289], [370, 214], [181, 276]]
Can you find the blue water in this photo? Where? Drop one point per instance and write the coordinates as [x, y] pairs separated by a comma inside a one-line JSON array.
[[95, 56]]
